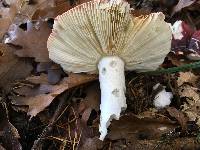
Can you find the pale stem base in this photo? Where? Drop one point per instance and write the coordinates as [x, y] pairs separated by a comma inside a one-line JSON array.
[[112, 84]]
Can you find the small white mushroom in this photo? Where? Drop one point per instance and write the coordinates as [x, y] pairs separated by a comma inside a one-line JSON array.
[[163, 98], [104, 37]]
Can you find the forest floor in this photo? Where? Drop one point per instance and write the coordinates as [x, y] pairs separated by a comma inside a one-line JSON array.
[[42, 107]]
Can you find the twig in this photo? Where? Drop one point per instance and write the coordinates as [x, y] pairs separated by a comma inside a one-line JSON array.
[[76, 139], [59, 111]]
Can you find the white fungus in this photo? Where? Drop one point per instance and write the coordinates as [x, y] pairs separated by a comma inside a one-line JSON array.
[[105, 37], [162, 99], [177, 30]]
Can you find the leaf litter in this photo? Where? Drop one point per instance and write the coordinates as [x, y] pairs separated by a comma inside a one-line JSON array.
[[63, 108]]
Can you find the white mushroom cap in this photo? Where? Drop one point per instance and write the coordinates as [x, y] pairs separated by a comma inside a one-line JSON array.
[[92, 30]]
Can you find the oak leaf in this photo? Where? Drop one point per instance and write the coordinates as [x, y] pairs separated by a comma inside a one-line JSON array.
[[33, 40], [8, 11], [182, 4], [46, 93], [8, 133], [11, 67]]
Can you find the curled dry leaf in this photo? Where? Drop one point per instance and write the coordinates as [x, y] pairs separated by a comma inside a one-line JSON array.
[[192, 104], [187, 77], [42, 79], [182, 4], [54, 74], [91, 144], [188, 89], [43, 66], [92, 99], [132, 128], [8, 133], [59, 7], [33, 41], [180, 117], [8, 11], [29, 9], [44, 94], [54, 71], [2, 148], [45, 9], [90, 102], [11, 67]]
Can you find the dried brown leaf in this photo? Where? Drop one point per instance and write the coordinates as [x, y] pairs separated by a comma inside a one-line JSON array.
[[43, 66], [29, 10], [90, 102], [192, 105], [33, 41], [54, 74], [131, 128], [187, 77], [2, 148], [188, 89], [11, 67], [8, 133], [59, 7], [42, 79], [47, 93], [182, 4], [86, 115], [180, 117], [91, 144], [8, 11], [92, 99]]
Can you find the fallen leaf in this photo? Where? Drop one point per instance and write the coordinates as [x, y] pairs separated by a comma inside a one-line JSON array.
[[54, 71], [187, 77], [92, 99], [86, 115], [2, 148], [90, 102], [188, 89], [131, 128], [48, 93], [8, 11], [8, 133], [29, 9], [42, 79], [11, 67], [54, 74], [33, 41], [191, 106], [180, 117], [91, 144], [58, 7], [43, 66], [62, 6], [182, 4]]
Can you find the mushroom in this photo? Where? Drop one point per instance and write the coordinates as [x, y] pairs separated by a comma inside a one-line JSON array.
[[104, 37]]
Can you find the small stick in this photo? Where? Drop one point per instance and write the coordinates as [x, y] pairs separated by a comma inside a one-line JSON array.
[[54, 119]]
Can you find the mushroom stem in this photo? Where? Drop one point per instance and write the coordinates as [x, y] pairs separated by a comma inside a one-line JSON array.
[[112, 84]]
